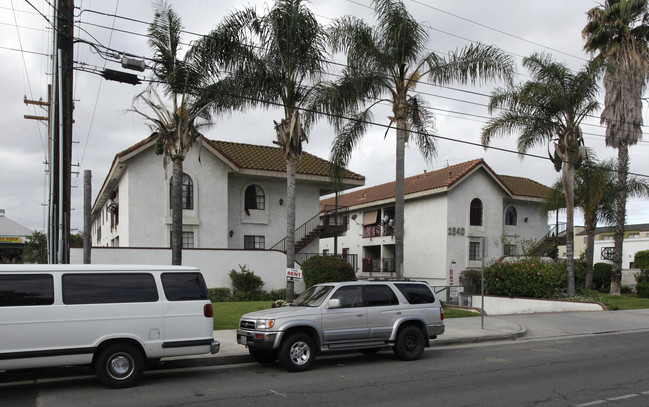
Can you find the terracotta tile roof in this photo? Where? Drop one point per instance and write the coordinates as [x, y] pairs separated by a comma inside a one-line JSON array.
[[255, 157], [269, 158], [524, 186], [443, 178]]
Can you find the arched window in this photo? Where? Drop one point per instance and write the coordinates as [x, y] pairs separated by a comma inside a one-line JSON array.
[[187, 191], [510, 216], [475, 215], [254, 198]]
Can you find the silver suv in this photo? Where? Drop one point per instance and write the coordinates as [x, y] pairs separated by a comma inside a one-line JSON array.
[[363, 315]]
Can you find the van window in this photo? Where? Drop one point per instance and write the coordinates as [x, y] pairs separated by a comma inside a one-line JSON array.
[[29, 289], [108, 288], [184, 286], [416, 293]]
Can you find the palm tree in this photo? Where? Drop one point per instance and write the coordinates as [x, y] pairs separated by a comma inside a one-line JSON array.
[[384, 64], [595, 187], [594, 182], [285, 59], [618, 31], [179, 124], [549, 108]]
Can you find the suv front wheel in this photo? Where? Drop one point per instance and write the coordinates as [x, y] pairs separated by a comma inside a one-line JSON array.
[[409, 344], [297, 352]]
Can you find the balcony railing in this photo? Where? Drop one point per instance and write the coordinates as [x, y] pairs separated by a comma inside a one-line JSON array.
[[385, 265]]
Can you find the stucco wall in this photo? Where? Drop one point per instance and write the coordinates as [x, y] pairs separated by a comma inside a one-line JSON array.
[[505, 306], [214, 264]]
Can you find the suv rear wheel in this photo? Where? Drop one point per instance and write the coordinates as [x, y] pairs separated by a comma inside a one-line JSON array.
[[409, 344], [297, 352]]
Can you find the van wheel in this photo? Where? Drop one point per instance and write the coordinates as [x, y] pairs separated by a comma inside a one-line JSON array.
[[297, 353], [263, 357], [119, 366], [409, 344]]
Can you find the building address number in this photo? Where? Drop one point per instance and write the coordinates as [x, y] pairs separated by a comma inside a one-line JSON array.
[[455, 231]]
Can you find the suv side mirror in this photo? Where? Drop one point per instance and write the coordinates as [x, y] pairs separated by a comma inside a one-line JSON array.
[[334, 303]]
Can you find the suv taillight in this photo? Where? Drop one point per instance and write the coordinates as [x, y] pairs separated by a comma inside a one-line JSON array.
[[441, 313], [208, 311]]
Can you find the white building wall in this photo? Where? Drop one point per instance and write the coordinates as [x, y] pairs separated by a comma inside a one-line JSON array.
[[425, 242], [629, 248], [214, 264]]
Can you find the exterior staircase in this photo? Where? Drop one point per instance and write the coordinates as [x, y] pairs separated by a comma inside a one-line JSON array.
[[321, 225]]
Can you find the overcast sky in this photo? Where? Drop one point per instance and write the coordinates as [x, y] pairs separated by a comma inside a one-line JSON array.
[[103, 126]]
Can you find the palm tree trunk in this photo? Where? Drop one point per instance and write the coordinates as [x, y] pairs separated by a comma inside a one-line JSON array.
[[290, 222], [590, 253], [569, 187], [177, 213], [620, 217], [399, 200]]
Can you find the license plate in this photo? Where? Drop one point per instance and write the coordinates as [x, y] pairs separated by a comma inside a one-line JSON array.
[[243, 339]]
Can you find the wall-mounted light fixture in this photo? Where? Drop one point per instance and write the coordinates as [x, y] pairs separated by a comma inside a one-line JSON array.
[[281, 202], [231, 233]]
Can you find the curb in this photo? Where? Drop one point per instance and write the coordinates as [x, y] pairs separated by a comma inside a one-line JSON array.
[[485, 338], [233, 359]]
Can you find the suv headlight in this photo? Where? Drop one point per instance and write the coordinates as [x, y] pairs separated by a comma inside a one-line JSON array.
[[265, 323]]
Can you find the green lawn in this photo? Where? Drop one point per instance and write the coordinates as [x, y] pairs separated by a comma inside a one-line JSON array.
[[626, 301], [227, 314]]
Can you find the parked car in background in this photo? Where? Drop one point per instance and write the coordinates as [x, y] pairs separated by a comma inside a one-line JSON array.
[[363, 315], [110, 317]]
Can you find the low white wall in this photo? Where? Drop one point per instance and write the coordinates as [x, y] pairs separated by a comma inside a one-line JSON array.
[[504, 305], [215, 264]]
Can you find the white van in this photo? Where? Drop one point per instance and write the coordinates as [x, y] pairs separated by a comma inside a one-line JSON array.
[[110, 317]]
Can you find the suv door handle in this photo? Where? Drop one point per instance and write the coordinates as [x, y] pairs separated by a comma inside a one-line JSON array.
[[398, 312], [360, 315]]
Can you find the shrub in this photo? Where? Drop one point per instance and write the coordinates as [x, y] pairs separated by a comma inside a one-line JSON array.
[[220, 294], [602, 276], [325, 269], [245, 281], [643, 290], [641, 260], [527, 277]]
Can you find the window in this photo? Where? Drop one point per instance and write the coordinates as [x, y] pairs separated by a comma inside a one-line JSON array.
[[254, 242], [474, 251], [349, 296], [31, 289], [633, 236], [109, 288], [188, 240], [184, 286], [510, 216], [187, 191], [475, 215], [509, 250], [255, 198], [379, 295], [416, 293]]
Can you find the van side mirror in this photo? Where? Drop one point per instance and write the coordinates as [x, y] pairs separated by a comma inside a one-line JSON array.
[[334, 303]]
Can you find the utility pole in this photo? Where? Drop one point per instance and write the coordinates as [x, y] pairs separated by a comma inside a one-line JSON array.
[[66, 47]]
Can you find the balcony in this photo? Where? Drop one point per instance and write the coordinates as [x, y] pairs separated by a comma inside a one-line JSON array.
[[385, 265]]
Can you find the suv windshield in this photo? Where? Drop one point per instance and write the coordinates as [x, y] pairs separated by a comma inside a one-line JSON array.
[[312, 297]]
